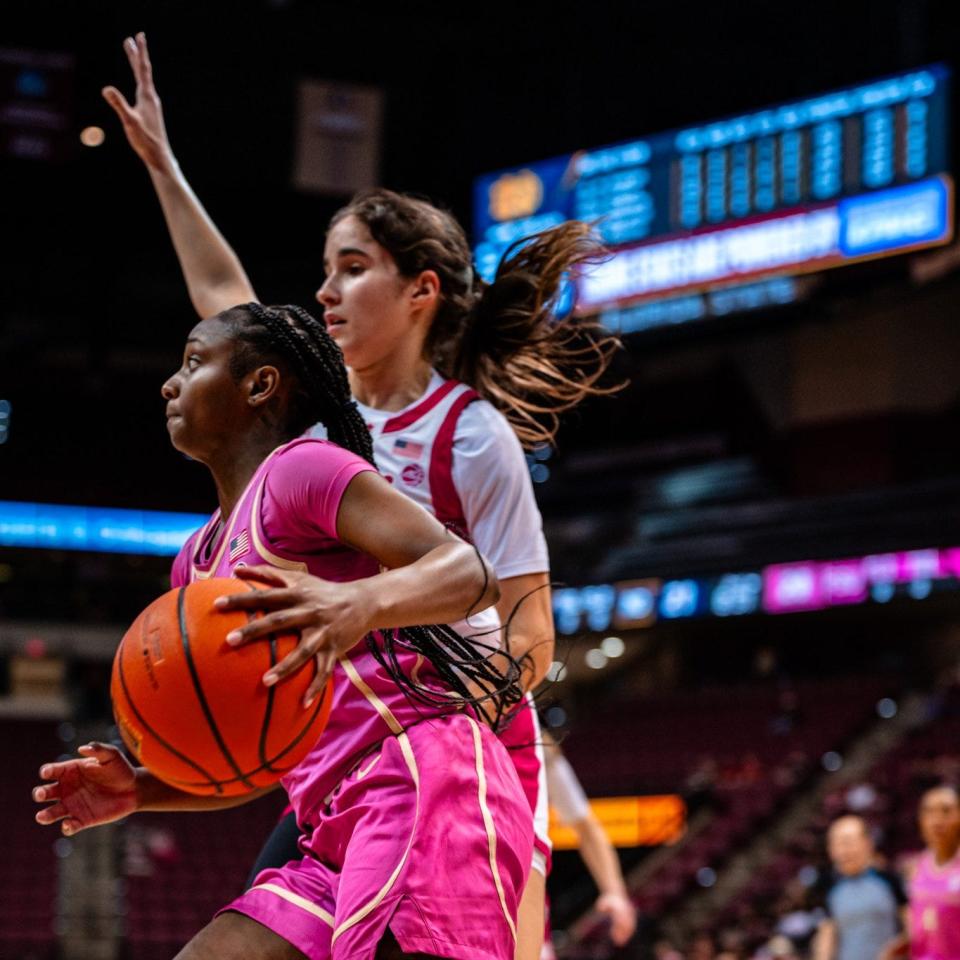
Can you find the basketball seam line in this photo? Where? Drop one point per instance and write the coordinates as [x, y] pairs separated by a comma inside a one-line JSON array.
[[270, 761], [198, 689], [153, 733], [271, 691]]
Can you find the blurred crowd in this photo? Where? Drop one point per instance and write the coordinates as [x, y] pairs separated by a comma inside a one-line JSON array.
[[857, 904]]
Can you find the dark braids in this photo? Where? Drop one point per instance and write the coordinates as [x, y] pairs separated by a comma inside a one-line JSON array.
[[465, 665], [323, 392], [469, 668]]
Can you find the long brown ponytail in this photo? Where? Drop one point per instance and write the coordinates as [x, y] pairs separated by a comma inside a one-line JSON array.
[[502, 338]]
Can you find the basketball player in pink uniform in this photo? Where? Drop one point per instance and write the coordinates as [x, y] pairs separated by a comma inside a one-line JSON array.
[[412, 811], [440, 384], [934, 884]]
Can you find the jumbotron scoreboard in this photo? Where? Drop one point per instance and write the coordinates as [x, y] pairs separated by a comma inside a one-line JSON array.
[[743, 203]]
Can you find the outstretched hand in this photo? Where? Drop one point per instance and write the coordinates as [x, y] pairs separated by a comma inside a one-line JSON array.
[[330, 617], [98, 788], [143, 122]]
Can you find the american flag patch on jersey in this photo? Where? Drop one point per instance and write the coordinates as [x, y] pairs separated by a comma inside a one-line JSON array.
[[239, 546], [407, 448]]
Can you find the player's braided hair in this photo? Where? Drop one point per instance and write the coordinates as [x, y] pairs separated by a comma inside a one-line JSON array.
[[475, 672], [467, 666], [322, 392]]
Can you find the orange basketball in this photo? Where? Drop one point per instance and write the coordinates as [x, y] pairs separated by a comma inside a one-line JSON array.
[[195, 711]]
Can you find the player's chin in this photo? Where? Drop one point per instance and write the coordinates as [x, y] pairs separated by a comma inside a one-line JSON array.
[[179, 435], [339, 335]]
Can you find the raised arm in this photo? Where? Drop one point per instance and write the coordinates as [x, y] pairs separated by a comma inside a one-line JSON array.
[[215, 277]]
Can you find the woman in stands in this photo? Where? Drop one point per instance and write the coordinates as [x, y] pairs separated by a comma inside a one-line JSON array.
[[442, 366], [415, 817]]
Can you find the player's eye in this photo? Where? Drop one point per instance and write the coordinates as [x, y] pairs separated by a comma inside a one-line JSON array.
[[355, 269], [193, 361]]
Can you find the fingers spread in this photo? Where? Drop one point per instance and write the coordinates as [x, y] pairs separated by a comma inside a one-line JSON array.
[[103, 752], [57, 771], [264, 574], [324, 666], [272, 599], [289, 664], [130, 49], [119, 103], [51, 814], [283, 621], [46, 792], [145, 57]]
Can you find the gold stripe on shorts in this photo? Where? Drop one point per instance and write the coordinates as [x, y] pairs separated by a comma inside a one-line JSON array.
[[297, 901]]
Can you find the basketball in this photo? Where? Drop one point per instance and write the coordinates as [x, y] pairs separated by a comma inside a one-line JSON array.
[[195, 711]]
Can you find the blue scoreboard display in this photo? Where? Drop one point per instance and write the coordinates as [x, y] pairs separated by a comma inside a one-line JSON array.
[[743, 203]]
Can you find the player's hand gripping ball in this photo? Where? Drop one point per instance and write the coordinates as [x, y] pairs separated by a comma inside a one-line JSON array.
[[195, 711]]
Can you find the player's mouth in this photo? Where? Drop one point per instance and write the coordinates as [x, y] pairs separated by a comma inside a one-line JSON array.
[[333, 320]]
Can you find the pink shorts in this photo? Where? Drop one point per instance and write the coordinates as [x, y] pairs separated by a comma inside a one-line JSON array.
[[524, 742], [430, 835]]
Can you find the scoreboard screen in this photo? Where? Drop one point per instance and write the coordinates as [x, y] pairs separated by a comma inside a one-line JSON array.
[[742, 203]]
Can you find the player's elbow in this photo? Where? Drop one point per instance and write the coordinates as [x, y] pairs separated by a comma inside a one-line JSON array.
[[492, 584], [541, 657], [217, 295], [534, 649]]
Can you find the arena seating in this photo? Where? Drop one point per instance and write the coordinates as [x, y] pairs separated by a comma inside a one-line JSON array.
[[181, 868], [28, 887], [888, 798], [742, 750]]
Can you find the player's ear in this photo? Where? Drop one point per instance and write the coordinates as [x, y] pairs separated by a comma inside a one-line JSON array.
[[261, 385], [425, 289]]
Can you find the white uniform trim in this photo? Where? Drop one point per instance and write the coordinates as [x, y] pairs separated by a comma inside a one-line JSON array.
[[565, 792]]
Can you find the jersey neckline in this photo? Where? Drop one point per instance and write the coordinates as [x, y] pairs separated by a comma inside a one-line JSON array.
[[436, 380]]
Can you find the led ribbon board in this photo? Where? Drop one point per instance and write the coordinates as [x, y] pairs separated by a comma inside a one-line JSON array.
[[834, 179], [775, 589], [98, 529]]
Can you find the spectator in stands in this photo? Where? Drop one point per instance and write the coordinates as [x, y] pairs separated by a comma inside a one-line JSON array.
[[779, 947], [935, 879], [865, 907], [665, 950], [797, 921], [702, 948]]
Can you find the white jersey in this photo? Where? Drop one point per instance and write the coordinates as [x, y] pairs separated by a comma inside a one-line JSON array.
[[456, 455]]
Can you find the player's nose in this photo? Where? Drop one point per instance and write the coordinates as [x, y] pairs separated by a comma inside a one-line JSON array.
[[326, 295], [170, 389]]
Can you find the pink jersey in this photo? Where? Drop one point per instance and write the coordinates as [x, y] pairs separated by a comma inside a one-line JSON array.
[[935, 909], [286, 518]]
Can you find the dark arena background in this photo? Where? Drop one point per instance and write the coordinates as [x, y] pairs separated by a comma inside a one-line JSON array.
[[755, 545]]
